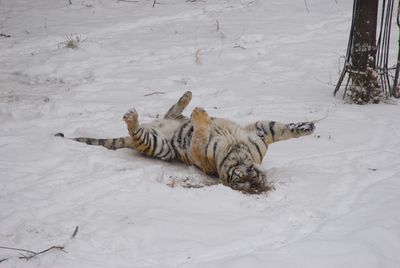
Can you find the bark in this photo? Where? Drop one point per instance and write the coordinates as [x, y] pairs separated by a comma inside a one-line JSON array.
[[396, 87], [364, 40], [363, 52]]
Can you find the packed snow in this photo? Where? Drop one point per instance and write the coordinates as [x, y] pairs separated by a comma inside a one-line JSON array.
[[336, 201]]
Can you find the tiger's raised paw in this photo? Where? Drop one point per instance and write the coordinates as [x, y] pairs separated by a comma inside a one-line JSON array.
[[185, 99], [199, 116], [303, 128], [131, 116]]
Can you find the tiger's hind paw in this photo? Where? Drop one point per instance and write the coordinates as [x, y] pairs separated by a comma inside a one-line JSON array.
[[199, 115], [131, 116], [131, 120]]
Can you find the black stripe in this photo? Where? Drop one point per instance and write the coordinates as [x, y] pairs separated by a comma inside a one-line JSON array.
[[168, 151], [214, 150], [217, 130], [136, 132], [190, 132], [148, 143], [208, 144], [259, 130], [263, 129], [140, 135], [155, 137], [271, 126], [146, 138], [229, 172], [161, 150], [180, 132], [174, 148], [102, 142], [226, 157], [165, 154], [186, 140]]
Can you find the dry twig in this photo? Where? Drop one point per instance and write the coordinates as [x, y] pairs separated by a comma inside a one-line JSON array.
[[75, 232], [5, 35], [41, 252], [155, 2], [154, 93], [305, 3], [18, 249], [198, 59], [32, 253]]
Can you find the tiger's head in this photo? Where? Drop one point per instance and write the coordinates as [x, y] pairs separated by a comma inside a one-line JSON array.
[[239, 171]]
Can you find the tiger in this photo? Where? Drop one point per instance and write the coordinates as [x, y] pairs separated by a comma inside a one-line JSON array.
[[219, 147]]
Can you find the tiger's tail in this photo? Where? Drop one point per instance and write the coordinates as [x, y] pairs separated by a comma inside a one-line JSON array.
[[112, 144]]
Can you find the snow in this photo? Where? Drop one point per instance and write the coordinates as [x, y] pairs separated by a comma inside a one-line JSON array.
[[336, 198]]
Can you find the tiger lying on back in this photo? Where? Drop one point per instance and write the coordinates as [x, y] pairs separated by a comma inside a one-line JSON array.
[[217, 146]]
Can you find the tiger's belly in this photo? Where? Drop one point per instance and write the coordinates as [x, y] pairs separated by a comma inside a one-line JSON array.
[[222, 136], [205, 161]]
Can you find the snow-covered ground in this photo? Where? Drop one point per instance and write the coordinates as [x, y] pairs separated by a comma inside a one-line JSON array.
[[336, 201]]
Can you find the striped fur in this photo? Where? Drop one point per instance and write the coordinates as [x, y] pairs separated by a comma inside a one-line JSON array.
[[217, 146]]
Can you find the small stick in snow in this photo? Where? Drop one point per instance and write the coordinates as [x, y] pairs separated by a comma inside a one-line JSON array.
[[18, 249], [43, 251], [198, 60], [33, 253], [75, 232], [217, 25], [155, 2], [238, 46], [5, 35], [154, 93], [305, 3]]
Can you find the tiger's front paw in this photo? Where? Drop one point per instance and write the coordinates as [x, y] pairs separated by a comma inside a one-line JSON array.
[[303, 128]]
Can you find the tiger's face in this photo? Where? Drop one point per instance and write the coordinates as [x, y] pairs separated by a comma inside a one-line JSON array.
[[239, 171]]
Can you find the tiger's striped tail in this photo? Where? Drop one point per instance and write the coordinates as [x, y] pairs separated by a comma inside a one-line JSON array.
[[112, 144]]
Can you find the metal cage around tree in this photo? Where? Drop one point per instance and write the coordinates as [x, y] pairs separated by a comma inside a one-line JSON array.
[[377, 58]]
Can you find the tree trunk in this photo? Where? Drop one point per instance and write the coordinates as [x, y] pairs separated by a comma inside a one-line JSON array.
[[396, 87], [364, 84]]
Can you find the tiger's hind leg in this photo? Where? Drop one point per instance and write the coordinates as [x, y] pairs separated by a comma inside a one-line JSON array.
[[200, 139], [175, 112], [271, 131], [147, 139]]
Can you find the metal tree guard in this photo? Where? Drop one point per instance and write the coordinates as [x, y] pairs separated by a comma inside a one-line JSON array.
[[382, 52]]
